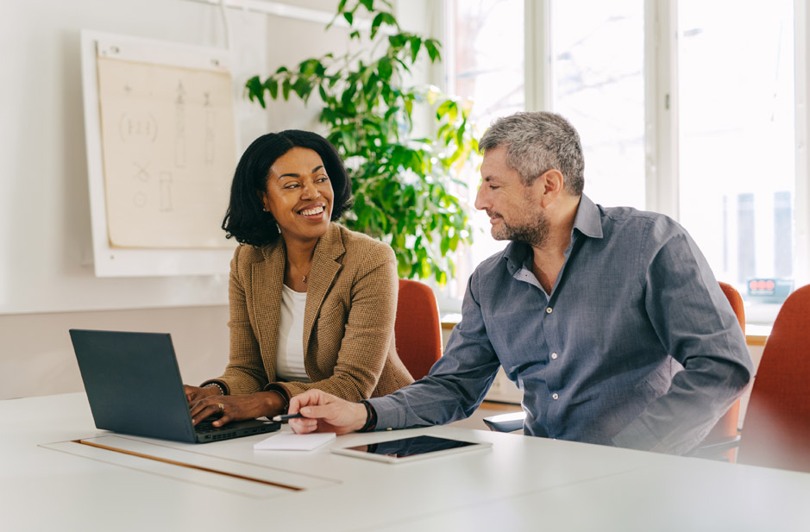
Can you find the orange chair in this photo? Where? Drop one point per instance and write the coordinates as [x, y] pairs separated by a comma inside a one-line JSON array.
[[418, 329], [727, 427], [776, 428]]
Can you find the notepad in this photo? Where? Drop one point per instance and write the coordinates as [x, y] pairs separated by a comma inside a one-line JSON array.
[[288, 441]]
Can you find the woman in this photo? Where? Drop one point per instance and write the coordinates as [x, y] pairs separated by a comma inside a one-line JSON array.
[[312, 304]]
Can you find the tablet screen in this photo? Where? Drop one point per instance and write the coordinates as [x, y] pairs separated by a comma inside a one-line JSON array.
[[410, 448]]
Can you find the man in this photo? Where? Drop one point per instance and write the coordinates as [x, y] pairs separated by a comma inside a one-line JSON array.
[[608, 319]]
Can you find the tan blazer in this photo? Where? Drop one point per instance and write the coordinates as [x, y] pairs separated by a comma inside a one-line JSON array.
[[348, 319]]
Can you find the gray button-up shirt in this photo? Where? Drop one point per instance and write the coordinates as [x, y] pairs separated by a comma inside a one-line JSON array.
[[635, 346]]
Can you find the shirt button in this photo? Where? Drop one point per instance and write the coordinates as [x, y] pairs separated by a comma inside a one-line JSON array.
[[548, 310], [554, 356], [555, 396]]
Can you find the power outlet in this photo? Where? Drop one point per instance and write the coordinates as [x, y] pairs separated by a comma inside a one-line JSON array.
[[503, 390]]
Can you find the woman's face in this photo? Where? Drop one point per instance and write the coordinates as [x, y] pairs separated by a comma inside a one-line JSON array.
[[299, 195]]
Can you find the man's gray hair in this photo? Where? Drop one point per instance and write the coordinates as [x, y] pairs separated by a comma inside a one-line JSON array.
[[537, 142]]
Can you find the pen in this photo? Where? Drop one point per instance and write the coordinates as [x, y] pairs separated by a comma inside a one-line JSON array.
[[285, 417]]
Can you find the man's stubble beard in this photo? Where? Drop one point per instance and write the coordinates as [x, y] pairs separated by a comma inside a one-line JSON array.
[[535, 233]]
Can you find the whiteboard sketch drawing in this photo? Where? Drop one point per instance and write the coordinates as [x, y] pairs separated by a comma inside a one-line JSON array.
[[168, 142], [165, 191], [210, 121], [180, 127]]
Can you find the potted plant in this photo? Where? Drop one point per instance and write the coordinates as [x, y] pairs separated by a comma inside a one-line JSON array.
[[403, 184]]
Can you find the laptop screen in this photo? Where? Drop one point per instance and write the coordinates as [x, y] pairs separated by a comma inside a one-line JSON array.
[[134, 386]]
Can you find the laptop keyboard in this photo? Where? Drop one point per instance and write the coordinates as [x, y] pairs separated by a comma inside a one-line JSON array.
[[206, 425]]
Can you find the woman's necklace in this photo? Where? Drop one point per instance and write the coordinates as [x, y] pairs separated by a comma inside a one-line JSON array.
[[296, 271], [304, 276]]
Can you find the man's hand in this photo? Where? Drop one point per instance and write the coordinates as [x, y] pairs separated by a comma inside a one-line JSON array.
[[325, 413]]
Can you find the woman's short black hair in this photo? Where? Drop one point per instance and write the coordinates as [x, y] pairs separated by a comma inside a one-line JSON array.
[[246, 219]]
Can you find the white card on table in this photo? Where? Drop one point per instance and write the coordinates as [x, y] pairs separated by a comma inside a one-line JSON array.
[[289, 441]]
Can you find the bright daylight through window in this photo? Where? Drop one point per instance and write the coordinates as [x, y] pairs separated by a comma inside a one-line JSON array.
[[737, 155], [734, 84], [485, 66]]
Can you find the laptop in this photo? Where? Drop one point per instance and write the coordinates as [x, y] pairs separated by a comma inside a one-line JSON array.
[[134, 387]]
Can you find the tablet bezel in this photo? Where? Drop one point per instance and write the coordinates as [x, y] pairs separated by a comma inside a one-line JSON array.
[[390, 459]]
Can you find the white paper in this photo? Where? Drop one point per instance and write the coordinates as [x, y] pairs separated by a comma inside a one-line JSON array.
[[289, 441]]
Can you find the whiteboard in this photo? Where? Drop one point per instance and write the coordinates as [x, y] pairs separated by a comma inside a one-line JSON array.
[[161, 151]]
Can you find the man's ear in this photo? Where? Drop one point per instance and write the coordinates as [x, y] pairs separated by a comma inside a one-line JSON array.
[[553, 184]]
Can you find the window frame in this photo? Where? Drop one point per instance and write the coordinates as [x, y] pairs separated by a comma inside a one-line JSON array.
[[661, 114]]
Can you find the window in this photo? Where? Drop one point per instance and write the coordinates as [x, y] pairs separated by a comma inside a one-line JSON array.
[[485, 67], [736, 143], [597, 73], [684, 107]]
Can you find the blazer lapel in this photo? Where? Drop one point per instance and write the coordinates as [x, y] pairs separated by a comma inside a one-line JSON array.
[[325, 268], [267, 280]]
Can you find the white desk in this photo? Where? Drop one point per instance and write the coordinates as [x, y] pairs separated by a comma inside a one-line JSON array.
[[50, 484]]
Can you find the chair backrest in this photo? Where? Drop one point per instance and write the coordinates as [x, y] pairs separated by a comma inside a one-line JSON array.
[[726, 428], [418, 329], [776, 429]]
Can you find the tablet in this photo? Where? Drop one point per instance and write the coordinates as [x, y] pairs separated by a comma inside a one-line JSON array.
[[409, 449]]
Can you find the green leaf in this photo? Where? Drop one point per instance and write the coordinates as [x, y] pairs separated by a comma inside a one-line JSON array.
[[432, 47], [271, 84], [384, 69], [397, 41], [416, 44], [389, 19], [255, 90], [375, 24], [448, 109], [302, 88]]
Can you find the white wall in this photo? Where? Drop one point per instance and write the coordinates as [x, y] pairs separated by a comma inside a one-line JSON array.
[[37, 359], [47, 284]]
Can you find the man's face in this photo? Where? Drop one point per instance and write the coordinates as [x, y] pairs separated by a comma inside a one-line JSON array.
[[514, 209]]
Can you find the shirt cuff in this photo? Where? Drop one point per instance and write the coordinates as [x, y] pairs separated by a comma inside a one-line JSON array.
[[390, 414], [371, 418]]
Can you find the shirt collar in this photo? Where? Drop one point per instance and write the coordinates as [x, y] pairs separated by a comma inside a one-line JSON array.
[[588, 222]]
